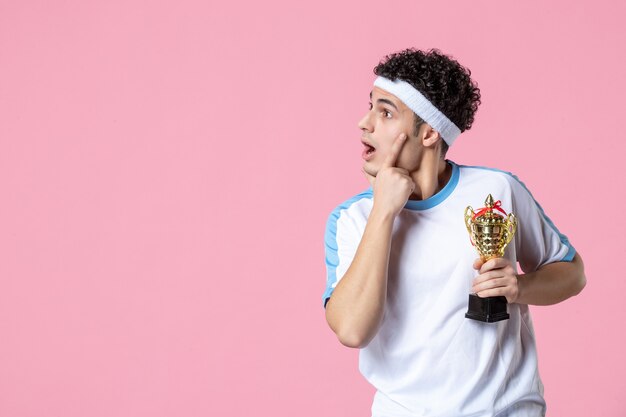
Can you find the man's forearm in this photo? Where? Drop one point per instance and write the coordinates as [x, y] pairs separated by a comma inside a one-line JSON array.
[[356, 307], [552, 283]]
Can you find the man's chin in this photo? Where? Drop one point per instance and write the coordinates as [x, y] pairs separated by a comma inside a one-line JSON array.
[[369, 169]]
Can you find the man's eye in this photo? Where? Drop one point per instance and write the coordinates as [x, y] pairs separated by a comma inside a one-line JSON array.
[[387, 114], [370, 105]]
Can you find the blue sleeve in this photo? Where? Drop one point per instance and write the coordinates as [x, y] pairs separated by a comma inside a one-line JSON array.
[[538, 241], [332, 257]]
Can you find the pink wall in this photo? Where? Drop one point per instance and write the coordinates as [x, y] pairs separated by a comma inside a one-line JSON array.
[[166, 170]]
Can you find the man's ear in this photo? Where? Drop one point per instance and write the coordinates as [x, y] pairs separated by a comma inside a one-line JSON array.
[[431, 137]]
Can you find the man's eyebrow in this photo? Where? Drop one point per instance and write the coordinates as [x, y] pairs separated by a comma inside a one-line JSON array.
[[384, 100]]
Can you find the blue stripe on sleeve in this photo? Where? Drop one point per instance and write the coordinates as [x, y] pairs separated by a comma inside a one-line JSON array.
[[330, 242]]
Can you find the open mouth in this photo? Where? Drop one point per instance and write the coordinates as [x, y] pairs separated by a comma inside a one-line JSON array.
[[368, 151]]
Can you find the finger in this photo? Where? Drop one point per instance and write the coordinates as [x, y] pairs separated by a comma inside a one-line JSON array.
[[407, 176], [489, 275], [477, 263], [392, 158], [495, 263], [494, 292], [491, 283], [511, 295], [369, 177]]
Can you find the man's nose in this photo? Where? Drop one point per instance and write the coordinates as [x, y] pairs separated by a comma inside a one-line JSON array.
[[365, 123]]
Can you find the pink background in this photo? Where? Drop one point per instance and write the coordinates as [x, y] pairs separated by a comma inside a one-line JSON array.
[[167, 168]]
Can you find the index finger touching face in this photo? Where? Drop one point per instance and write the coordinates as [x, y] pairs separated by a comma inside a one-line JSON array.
[[392, 157]]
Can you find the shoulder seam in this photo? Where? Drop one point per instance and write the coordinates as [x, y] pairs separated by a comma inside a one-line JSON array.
[[349, 202]]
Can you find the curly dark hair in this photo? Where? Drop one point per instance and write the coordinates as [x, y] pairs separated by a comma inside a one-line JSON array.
[[440, 78]]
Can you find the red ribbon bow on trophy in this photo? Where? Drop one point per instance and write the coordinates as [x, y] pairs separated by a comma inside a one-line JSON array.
[[489, 209]]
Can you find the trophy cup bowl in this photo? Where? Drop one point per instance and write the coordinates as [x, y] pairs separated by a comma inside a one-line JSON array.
[[490, 233]]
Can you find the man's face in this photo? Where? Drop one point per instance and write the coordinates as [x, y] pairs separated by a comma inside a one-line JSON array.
[[387, 118]]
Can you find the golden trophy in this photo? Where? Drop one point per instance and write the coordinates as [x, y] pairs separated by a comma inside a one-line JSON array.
[[489, 232]]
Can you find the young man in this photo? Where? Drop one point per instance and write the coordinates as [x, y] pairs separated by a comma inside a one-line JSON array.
[[400, 263]]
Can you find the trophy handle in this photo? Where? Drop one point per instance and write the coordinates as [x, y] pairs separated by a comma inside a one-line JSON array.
[[469, 214], [511, 226]]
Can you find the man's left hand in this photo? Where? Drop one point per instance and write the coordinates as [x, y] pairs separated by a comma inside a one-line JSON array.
[[497, 278]]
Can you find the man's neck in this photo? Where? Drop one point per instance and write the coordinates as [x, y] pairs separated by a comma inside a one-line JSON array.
[[433, 174]]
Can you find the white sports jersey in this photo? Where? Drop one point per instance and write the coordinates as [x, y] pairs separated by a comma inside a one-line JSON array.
[[427, 359]]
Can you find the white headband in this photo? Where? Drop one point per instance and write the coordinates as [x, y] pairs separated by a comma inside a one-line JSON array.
[[416, 101]]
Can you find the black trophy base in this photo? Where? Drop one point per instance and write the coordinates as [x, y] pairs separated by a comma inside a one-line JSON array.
[[488, 309]]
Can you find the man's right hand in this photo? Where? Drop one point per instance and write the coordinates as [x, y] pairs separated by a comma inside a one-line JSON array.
[[392, 185], [356, 308]]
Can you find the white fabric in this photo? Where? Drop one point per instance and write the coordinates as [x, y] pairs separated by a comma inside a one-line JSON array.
[[421, 106], [427, 359]]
